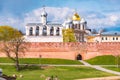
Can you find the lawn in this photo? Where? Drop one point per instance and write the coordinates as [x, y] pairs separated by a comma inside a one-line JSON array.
[[41, 61], [63, 73], [103, 60]]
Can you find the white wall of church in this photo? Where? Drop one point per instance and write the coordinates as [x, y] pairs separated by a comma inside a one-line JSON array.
[[43, 38]]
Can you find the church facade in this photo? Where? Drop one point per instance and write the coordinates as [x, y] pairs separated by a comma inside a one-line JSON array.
[[52, 32], [44, 31]]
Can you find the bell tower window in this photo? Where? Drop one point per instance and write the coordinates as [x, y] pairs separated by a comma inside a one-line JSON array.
[[58, 31], [31, 31], [44, 33], [37, 30], [51, 31]]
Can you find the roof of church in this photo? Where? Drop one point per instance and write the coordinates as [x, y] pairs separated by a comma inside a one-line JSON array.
[[39, 24], [111, 33]]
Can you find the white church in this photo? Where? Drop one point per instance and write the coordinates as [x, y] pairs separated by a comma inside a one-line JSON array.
[[52, 32]]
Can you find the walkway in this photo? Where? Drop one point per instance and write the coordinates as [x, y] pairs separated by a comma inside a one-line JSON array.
[[102, 78], [100, 68]]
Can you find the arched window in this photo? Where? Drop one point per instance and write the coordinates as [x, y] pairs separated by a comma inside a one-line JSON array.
[[79, 26], [75, 26], [37, 30], [44, 32], [31, 31], [58, 31], [51, 31]]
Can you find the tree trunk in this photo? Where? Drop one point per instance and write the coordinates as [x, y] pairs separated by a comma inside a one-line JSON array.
[[17, 65], [17, 62]]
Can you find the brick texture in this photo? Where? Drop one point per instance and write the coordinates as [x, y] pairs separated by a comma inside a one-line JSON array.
[[69, 50]]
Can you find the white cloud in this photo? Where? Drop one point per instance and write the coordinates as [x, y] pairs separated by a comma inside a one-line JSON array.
[[12, 21], [114, 18], [54, 14], [57, 14], [109, 19], [94, 20]]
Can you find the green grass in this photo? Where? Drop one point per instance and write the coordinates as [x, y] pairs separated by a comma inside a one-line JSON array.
[[103, 60], [41, 61], [63, 73], [114, 68]]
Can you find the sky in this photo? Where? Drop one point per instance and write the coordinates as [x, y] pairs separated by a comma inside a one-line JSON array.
[[98, 13]]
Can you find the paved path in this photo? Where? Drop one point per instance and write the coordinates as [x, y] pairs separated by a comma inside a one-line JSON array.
[[99, 68], [102, 78]]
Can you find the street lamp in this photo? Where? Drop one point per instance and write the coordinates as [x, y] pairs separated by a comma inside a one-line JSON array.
[[40, 59]]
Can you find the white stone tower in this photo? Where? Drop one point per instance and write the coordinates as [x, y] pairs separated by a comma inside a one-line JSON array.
[[44, 17]]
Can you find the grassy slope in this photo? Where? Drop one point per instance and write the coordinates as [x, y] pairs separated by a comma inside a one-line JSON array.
[[41, 61], [63, 73], [103, 60]]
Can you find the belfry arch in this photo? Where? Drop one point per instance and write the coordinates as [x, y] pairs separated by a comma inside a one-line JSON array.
[[44, 32], [51, 31], [37, 30], [58, 31], [31, 31]]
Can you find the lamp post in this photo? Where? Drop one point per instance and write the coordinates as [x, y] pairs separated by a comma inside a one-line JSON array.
[[40, 59]]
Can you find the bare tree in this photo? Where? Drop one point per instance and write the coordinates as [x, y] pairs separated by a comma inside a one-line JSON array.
[[13, 49], [12, 42]]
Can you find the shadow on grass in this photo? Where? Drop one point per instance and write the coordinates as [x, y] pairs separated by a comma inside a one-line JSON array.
[[30, 67]]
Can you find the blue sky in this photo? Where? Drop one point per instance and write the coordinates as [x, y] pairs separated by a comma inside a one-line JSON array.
[[97, 13]]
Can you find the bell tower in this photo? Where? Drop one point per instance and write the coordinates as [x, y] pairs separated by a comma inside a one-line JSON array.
[[44, 17]]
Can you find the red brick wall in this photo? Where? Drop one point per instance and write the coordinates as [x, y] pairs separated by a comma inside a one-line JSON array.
[[69, 50]]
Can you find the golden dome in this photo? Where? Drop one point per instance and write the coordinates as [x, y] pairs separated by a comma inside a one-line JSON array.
[[76, 17]]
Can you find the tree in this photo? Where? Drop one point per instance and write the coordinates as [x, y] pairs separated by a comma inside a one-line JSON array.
[[12, 43], [117, 60], [68, 35]]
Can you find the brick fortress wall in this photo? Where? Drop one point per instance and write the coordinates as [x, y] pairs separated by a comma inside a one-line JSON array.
[[69, 50]]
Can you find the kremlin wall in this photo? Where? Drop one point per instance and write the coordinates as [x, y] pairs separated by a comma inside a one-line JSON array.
[[72, 51]]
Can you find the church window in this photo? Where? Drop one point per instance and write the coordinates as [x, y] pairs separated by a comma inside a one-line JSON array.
[[75, 26], [37, 30], [31, 31], [51, 31], [44, 31], [58, 31], [79, 26]]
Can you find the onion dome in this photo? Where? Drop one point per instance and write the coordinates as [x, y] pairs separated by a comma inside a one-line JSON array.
[[76, 17], [44, 13]]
